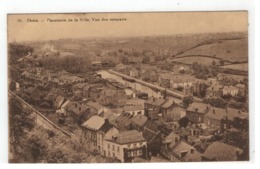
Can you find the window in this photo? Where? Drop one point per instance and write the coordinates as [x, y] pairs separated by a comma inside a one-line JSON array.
[[113, 155], [108, 146], [140, 152], [108, 153], [129, 154], [113, 147], [225, 126], [118, 149], [199, 119], [135, 152]]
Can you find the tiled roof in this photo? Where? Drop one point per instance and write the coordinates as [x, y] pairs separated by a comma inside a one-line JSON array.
[[94, 123], [139, 120], [183, 146], [94, 105], [168, 104], [222, 152], [171, 137], [156, 102], [75, 107], [133, 108], [106, 127], [198, 107], [130, 136], [216, 113]]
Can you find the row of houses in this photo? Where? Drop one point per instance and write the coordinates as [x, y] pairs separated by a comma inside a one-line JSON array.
[[217, 119], [219, 90], [57, 77]]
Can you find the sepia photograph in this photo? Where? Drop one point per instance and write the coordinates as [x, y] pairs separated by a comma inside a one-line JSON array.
[[130, 87]]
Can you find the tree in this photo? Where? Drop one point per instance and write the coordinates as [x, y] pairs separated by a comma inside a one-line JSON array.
[[187, 100], [215, 102], [183, 122], [35, 147]]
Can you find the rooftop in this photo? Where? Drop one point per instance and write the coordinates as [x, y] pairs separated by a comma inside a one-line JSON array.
[[199, 107], [222, 152], [94, 123], [130, 136], [133, 108], [155, 102], [139, 120]]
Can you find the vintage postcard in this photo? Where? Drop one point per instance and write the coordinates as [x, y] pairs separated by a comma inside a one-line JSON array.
[[128, 87]]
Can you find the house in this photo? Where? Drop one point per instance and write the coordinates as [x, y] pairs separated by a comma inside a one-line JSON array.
[[95, 106], [123, 121], [94, 92], [59, 101], [213, 118], [174, 114], [223, 119], [106, 131], [183, 152], [90, 129], [219, 151], [80, 89], [62, 111], [138, 122], [151, 133], [134, 110], [125, 146], [181, 81], [165, 80], [172, 138], [153, 108], [196, 111], [212, 81], [241, 89], [215, 90], [77, 111], [233, 91]]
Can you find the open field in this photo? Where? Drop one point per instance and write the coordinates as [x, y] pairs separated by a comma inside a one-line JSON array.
[[243, 66], [231, 50], [198, 59]]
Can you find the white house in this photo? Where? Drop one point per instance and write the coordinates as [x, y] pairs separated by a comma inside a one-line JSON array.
[[134, 110], [125, 146], [233, 91]]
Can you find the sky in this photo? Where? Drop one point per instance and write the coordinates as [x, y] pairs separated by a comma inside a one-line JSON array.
[[136, 24]]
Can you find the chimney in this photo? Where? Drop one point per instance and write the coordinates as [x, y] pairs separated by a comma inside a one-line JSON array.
[[114, 138], [106, 121]]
